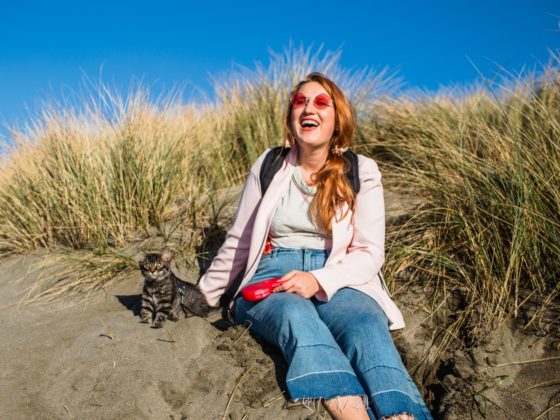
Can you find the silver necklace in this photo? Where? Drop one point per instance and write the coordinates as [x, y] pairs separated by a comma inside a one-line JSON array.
[[300, 185]]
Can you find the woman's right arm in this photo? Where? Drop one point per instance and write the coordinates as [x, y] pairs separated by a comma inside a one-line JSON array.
[[232, 257]]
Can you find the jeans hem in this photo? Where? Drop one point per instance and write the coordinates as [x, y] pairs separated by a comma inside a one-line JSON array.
[[400, 413], [393, 403], [314, 401]]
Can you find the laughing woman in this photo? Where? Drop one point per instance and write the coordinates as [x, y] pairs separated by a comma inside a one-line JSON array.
[[331, 315]]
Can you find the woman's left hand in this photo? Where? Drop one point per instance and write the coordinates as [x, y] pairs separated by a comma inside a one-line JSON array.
[[299, 282]]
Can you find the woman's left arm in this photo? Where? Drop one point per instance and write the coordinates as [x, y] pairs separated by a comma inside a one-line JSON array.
[[366, 251]]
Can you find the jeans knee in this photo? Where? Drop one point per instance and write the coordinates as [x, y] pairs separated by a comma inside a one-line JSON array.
[[369, 344], [296, 321], [289, 307], [370, 329]]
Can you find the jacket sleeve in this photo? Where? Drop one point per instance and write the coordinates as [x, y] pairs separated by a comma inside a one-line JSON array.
[[232, 257], [366, 252]]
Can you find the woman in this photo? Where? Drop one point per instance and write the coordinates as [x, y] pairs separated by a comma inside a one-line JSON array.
[[331, 316]]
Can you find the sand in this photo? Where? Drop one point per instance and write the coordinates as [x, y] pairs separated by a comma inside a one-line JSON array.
[[93, 359]]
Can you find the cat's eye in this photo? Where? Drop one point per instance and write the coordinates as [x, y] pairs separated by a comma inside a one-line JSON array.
[[146, 266], [158, 266]]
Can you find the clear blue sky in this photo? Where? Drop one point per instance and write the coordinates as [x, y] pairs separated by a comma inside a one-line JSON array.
[[47, 46]]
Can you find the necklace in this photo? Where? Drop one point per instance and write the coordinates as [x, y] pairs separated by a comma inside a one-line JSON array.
[[301, 186]]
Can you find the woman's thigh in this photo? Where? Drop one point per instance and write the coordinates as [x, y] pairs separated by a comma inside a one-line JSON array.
[[360, 327], [285, 320]]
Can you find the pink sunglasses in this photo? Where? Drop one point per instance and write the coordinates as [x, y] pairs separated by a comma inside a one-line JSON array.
[[321, 101]]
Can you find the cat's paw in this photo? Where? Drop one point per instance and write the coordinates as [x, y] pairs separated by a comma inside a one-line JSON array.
[[160, 319], [173, 317], [145, 317]]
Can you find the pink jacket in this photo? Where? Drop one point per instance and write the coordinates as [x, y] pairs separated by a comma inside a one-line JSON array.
[[358, 240]]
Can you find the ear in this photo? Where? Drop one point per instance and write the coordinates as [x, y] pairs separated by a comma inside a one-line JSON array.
[[166, 254], [139, 258]]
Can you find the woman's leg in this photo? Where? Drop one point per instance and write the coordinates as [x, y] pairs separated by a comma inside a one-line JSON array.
[[318, 369], [347, 408], [360, 328], [317, 366]]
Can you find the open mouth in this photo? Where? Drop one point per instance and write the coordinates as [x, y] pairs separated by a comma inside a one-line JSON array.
[[309, 124]]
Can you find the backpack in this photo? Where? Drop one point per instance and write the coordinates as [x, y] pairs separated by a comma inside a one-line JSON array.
[[275, 158]]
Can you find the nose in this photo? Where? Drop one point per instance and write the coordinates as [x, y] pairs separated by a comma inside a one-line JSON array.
[[308, 104]]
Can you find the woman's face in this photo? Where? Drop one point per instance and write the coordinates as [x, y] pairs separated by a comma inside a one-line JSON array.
[[313, 127]]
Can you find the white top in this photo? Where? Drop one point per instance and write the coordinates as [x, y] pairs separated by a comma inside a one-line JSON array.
[[292, 225]]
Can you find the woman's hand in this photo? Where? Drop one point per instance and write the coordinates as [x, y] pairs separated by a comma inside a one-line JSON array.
[[299, 282]]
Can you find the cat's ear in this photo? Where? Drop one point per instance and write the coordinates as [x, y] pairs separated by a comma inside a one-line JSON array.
[[166, 254], [139, 258]]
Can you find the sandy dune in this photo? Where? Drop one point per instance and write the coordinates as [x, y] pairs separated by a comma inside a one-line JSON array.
[[95, 360]]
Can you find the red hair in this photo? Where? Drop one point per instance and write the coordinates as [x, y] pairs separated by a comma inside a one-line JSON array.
[[333, 188]]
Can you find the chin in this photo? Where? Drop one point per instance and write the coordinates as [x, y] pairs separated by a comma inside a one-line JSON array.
[[314, 143]]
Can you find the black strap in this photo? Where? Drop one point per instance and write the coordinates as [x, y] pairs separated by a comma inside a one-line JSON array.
[[275, 158], [272, 163], [352, 171]]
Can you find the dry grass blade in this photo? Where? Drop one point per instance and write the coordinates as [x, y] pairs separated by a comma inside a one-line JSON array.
[[280, 396], [234, 389], [243, 333], [78, 275], [523, 362], [548, 410], [539, 385], [108, 332]]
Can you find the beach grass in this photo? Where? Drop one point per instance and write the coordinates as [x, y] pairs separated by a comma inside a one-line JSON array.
[[485, 165]]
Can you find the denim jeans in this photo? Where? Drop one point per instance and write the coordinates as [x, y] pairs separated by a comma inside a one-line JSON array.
[[336, 348]]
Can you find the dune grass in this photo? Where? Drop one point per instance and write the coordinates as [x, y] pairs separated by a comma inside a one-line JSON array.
[[117, 168], [485, 165]]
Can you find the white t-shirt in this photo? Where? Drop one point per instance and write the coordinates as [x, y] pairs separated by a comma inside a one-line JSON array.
[[292, 225]]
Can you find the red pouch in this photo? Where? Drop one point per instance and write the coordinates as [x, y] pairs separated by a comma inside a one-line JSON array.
[[260, 290]]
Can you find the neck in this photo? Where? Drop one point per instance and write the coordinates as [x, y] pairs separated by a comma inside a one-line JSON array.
[[312, 160]]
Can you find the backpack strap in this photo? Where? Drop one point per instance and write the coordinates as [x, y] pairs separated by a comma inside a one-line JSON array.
[[275, 158], [352, 172], [272, 163]]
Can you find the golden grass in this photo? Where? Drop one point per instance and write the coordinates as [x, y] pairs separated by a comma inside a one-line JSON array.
[[122, 168], [487, 167]]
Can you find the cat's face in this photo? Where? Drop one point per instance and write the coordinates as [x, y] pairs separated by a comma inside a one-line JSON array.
[[154, 267]]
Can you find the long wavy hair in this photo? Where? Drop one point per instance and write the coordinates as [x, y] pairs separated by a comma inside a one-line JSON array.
[[333, 188]]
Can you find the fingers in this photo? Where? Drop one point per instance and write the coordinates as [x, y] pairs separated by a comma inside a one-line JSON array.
[[298, 282], [289, 275], [286, 286], [288, 282]]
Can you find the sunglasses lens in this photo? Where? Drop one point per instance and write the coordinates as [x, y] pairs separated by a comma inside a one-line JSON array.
[[299, 100], [322, 101]]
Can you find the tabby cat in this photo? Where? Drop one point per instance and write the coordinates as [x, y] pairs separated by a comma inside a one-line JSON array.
[[164, 295]]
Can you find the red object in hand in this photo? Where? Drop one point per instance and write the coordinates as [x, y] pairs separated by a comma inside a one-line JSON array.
[[260, 290]]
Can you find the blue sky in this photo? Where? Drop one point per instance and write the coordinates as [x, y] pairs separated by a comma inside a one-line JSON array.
[[48, 47]]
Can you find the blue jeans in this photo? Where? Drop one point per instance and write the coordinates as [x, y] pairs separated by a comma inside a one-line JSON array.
[[335, 348]]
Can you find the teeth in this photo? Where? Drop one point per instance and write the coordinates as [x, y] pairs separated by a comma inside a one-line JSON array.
[[309, 123]]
